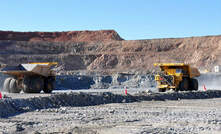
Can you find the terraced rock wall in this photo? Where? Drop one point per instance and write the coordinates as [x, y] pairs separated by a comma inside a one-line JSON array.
[[106, 51]]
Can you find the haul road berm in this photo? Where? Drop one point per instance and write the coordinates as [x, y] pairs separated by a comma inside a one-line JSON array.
[[176, 76], [30, 78]]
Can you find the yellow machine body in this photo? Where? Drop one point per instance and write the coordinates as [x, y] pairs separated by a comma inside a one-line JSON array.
[[40, 68], [175, 72]]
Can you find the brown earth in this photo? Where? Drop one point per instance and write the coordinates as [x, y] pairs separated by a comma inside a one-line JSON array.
[[106, 50], [70, 36]]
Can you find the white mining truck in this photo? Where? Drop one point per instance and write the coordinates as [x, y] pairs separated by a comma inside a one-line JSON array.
[[30, 78]]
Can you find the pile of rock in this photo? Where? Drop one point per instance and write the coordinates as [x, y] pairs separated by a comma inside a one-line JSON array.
[[10, 107]]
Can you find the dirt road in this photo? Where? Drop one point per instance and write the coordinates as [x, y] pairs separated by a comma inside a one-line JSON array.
[[168, 116]]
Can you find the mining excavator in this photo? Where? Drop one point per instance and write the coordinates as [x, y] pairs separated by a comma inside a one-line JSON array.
[[30, 77], [176, 76]]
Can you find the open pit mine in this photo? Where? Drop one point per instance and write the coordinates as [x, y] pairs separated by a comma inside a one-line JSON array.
[[95, 82]]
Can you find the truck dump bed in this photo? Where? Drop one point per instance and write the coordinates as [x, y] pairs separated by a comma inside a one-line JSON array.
[[43, 69], [191, 71]]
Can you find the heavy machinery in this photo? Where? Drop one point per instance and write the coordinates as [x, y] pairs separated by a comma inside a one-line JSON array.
[[31, 78], [176, 76]]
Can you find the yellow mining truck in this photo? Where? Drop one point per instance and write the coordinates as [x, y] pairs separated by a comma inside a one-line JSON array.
[[31, 78], [176, 76]]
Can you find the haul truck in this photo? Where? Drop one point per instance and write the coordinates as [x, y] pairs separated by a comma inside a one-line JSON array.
[[30, 78], [176, 76]]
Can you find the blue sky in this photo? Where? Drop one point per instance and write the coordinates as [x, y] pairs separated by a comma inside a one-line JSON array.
[[132, 19]]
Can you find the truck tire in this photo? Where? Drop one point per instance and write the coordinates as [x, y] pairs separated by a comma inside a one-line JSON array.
[[48, 85], [6, 85], [184, 84], [26, 84], [33, 84], [162, 89], [194, 84], [13, 86]]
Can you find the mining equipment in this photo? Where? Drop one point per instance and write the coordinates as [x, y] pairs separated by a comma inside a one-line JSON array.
[[176, 76], [30, 77]]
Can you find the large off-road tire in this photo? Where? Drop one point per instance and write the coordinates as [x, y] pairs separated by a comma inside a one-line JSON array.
[[184, 85], [6, 85], [33, 84], [48, 85], [161, 89], [194, 84], [13, 88]]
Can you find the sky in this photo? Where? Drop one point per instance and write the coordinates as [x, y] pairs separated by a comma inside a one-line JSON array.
[[132, 19]]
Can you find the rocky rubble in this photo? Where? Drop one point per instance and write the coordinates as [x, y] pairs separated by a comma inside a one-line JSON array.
[[160, 117], [98, 81], [10, 107]]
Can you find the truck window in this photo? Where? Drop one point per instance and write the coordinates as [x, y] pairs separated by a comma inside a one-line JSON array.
[[178, 70]]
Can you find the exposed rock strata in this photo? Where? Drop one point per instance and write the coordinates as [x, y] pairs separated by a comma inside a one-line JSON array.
[[106, 51]]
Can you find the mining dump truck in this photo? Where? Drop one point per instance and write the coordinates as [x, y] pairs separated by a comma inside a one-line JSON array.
[[30, 78], [176, 76]]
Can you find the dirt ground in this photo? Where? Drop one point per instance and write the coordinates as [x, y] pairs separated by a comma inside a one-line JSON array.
[[169, 116]]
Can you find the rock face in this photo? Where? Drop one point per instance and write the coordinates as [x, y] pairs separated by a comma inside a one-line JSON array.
[[106, 51]]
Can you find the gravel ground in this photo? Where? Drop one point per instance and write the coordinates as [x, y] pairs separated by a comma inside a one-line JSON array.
[[184, 116], [140, 113]]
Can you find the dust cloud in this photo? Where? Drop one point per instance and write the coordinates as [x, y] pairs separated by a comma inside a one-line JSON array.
[[210, 81]]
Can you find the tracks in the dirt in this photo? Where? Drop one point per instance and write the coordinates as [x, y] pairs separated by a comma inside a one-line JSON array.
[[11, 107]]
